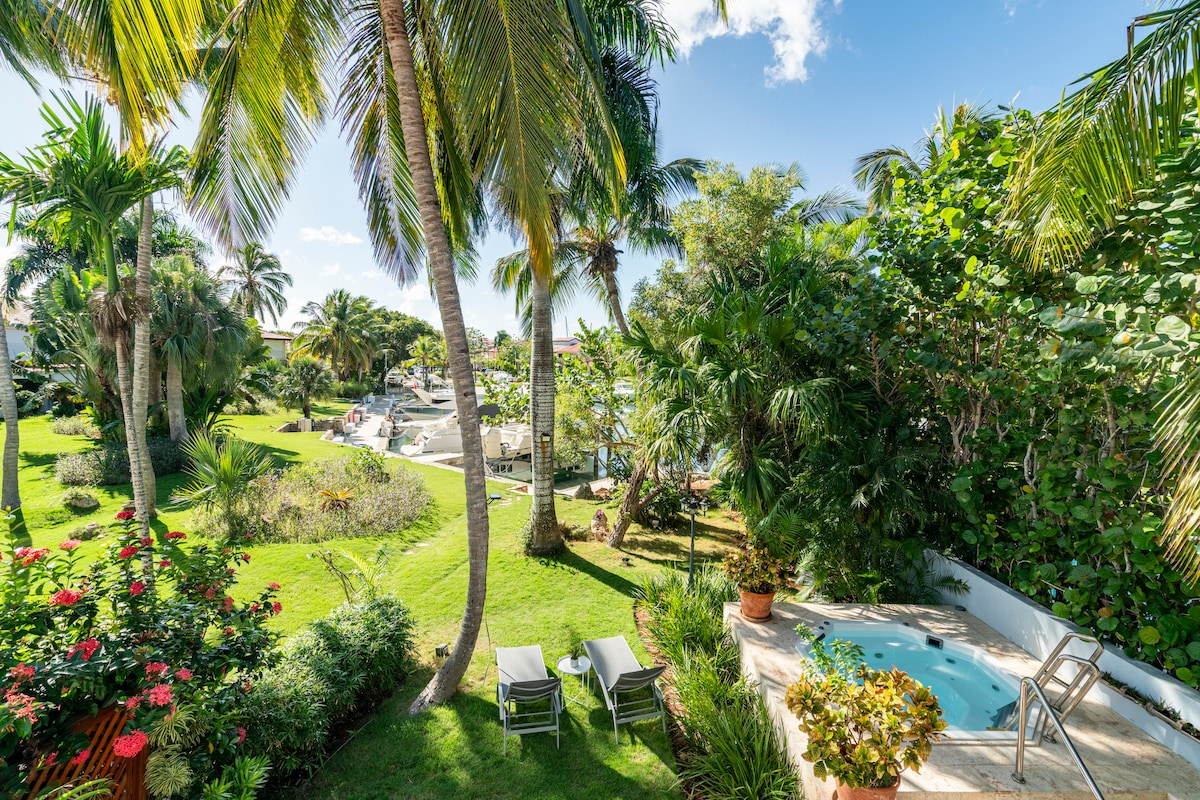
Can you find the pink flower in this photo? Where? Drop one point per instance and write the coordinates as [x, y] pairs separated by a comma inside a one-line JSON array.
[[254, 607], [164, 563], [87, 647], [156, 669], [69, 544], [230, 571], [21, 672], [51, 759], [133, 702], [245, 556], [227, 604], [130, 745], [21, 705], [241, 735], [273, 585], [228, 631], [159, 696], [124, 515], [277, 607], [210, 593], [184, 674], [65, 597], [128, 552], [28, 555], [176, 535], [80, 758], [136, 588]]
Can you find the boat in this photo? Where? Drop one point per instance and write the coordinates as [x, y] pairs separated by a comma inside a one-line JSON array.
[[442, 436]]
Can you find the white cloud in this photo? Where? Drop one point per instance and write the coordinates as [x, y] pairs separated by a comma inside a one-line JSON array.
[[328, 233], [791, 25], [330, 270], [371, 275]]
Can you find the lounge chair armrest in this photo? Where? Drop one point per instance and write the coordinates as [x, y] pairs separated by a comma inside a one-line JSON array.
[[631, 681]]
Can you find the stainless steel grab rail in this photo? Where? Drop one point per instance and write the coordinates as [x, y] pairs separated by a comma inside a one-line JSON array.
[[1018, 775]]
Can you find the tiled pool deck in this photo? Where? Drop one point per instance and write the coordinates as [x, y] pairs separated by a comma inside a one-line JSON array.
[[1125, 762]]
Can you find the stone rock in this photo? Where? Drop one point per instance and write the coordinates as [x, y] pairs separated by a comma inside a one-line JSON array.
[[582, 492]]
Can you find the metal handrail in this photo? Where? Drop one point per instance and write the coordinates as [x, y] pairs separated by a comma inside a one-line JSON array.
[[1019, 773], [1048, 669]]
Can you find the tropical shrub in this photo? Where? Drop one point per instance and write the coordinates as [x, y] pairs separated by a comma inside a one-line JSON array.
[[151, 625], [336, 498], [353, 390], [361, 649], [733, 749], [108, 464], [243, 407], [76, 425], [753, 569], [221, 472]]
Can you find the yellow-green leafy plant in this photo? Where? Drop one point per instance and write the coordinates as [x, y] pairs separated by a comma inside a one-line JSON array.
[[754, 569], [336, 499], [865, 726]]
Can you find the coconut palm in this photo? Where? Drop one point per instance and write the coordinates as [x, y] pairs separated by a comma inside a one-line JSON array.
[[79, 180], [424, 351], [341, 330], [256, 281], [192, 325], [25, 42], [305, 379]]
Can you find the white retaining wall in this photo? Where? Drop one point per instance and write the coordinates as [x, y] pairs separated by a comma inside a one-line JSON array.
[[1036, 630]]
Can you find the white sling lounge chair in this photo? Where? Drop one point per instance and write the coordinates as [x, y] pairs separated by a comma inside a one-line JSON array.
[[525, 682], [621, 675]]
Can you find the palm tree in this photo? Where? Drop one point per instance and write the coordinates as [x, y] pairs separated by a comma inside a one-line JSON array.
[[78, 179], [256, 281], [424, 350], [221, 472], [341, 330], [24, 40], [305, 379], [192, 325]]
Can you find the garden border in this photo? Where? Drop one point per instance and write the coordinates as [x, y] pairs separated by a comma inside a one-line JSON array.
[[1035, 629]]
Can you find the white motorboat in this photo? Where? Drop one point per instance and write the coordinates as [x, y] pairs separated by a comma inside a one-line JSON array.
[[442, 436]]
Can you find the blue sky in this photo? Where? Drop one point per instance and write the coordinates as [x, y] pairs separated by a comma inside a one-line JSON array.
[[816, 82]]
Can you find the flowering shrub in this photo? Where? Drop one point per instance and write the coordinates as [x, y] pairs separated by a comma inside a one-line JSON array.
[[108, 464], [77, 425], [289, 502], [149, 625]]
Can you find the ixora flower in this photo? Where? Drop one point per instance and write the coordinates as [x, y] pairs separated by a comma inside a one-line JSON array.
[[277, 607], [28, 555], [80, 758], [21, 672], [184, 674], [164, 563], [273, 585], [156, 669], [128, 551], [159, 695], [65, 597], [176, 535], [129, 745], [136, 588], [241, 735], [87, 647], [69, 544], [124, 515]]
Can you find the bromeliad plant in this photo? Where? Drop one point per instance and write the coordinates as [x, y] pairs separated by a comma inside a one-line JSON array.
[[865, 726], [169, 642]]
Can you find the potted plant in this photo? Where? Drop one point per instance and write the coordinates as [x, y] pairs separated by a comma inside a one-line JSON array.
[[757, 573], [865, 726], [574, 646]]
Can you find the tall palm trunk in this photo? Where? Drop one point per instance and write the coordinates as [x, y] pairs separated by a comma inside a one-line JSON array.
[[614, 300], [10, 494], [141, 367], [441, 265], [175, 417], [544, 536]]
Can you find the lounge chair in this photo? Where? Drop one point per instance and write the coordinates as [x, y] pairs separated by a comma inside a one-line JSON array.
[[524, 682], [621, 674]]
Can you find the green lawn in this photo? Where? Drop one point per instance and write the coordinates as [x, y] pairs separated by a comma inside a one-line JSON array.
[[455, 750]]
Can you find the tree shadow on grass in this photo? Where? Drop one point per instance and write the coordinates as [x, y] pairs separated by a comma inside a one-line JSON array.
[[38, 459], [570, 560]]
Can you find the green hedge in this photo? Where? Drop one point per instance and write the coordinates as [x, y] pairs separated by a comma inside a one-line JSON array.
[[361, 650]]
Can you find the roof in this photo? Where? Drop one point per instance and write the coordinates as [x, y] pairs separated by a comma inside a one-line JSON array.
[[280, 337], [18, 314]]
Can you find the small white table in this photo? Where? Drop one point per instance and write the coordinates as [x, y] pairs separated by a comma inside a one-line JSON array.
[[582, 668]]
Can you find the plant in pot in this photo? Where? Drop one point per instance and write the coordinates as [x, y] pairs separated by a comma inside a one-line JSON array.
[[574, 646], [757, 573], [865, 726]]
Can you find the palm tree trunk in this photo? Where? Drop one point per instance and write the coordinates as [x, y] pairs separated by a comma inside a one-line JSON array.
[[175, 417], [544, 535], [614, 302], [441, 264], [141, 366], [10, 494]]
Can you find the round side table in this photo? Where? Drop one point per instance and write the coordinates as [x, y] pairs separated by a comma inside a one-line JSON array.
[[582, 668]]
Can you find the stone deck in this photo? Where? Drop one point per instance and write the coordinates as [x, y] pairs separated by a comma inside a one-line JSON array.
[[1125, 762]]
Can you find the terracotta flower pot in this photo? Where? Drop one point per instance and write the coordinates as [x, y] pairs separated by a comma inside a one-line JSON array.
[[846, 793], [756, 607]]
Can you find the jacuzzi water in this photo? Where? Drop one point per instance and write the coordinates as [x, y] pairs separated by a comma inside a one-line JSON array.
[[974, 696]]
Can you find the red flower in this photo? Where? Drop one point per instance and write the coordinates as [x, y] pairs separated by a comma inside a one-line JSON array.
[[230, 571], [176, 535], [226, 551], [245, 556], [51, 759], [254, 608], [21, 672], [147, 541], [80, 758], [210, 593], [159, 696], [124, 515], [273, 585], [156, 669], [133, 702], [69, 544], [164, 563], [65, 597], [228, 631], [184, 674], [87, 647], [21, 705], [128, 551], [277, 607], [136, 588], [28, 555], [241, 736], [130, 745], [227, 604]]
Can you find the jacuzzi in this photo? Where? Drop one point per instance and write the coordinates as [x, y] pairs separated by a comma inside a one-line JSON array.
[[978, 698]]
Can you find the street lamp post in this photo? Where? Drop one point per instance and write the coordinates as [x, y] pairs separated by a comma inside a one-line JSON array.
[[689, 505]]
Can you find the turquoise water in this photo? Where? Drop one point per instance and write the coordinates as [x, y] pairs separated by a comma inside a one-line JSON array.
[[973, 696]]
